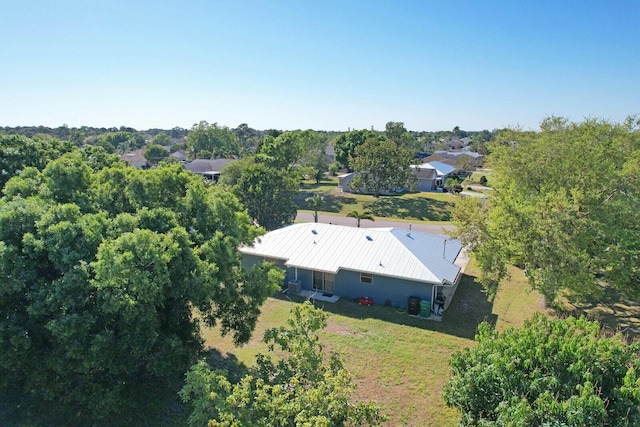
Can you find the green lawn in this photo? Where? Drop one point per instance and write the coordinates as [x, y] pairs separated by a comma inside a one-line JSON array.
[[397, 360], [474, 178], [425, 207]]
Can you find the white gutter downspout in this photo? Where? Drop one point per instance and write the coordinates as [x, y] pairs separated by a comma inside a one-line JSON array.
[[296, 272]]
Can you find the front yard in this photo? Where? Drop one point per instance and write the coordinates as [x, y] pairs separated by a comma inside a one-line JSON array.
[[426, 206]]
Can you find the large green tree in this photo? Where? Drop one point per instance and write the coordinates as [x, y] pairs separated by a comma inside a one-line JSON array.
[[162, 139], [156, 153], [381, 167], [565, 208], [549, 372], [396, 132], [101, 273], [344, 145], [301, 389], [314, 161], [291, 149], [206, 140], [268, 195], [247, 137]]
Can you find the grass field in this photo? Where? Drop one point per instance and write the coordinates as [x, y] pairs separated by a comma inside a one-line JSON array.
[[397, 360], [409, 206]]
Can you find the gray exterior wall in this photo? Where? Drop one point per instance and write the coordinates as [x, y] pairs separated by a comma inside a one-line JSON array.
[[425, 184], [347, 285]]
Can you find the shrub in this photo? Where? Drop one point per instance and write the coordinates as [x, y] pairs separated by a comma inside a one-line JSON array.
[[550, 372]]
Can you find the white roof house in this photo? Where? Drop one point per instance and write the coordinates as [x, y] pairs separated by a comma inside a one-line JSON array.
[[442, 169], [390, 252]]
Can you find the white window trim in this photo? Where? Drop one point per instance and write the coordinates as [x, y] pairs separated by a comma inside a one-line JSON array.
[[368, 278]]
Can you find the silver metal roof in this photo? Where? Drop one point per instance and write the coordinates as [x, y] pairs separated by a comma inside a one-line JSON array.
[[382, 251]]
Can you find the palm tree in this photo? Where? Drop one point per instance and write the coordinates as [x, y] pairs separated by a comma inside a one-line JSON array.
[[361, 215], [315, 203]]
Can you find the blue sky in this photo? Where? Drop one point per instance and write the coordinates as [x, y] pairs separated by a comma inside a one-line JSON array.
[[324, 65]]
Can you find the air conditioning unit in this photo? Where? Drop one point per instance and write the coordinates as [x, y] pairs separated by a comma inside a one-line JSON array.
[[294, 286]]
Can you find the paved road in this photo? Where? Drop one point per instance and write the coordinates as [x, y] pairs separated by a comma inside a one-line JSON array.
[[343, 220]]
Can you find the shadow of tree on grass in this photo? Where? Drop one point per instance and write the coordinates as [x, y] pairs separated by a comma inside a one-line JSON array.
[[332, 204], [612, 310], [236, 370], [422, 209]]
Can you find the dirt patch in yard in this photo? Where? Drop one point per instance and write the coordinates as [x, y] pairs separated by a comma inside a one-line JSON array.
[[338, 329]]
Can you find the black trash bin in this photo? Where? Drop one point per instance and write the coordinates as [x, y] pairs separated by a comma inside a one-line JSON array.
[[413, 306]]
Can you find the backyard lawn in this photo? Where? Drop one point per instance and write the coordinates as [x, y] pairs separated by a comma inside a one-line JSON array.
[[397, 360]]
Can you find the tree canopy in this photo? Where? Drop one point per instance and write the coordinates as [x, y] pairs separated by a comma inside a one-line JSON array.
[[210, 140], [162, 139], [381, 167], [18, 152], [301, 389], [293, 149], [156, 153], [565, 208], [550, 372], [396, 132], [102, 267], [268, 195], [344, 145]]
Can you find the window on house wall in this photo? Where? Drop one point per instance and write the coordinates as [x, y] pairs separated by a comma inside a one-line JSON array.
[[366, 278]]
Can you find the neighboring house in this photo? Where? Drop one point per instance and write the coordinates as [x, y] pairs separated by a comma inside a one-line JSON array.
[[179, 155], [433, 158], [443, 171], [451, 157], [387, 265], [426, 177], [344, 182], [209, 168], [136, 158]]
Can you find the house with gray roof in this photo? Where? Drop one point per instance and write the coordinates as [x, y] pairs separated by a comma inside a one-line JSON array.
[[387, 265], [208, 168], [136, 158]]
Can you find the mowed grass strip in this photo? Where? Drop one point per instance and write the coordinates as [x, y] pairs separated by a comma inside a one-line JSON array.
[[400, 361]]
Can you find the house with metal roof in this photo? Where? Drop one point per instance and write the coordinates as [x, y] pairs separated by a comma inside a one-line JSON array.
[[387, 265]]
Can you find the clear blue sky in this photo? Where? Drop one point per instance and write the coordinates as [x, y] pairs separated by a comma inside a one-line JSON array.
[[324, 65]]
